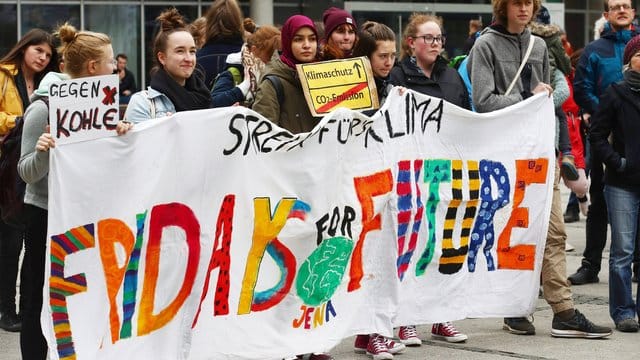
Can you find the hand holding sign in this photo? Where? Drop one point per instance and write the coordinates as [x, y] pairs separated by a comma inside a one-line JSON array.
[[45, 141]]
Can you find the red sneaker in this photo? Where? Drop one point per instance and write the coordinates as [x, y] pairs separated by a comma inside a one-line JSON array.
[[409, 336], [377, 348], [393, 346], [360, 345], [447, 332]]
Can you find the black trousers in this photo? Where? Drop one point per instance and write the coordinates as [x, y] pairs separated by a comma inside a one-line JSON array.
[[10, 246], [33, 345], [596, 229]]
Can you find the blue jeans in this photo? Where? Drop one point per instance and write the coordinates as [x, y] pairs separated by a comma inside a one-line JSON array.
[[623, 206]]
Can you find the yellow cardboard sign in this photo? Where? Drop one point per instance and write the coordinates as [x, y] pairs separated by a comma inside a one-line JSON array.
[[338, 83]]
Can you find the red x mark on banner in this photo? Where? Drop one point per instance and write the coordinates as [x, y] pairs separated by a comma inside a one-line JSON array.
[[109, 95]]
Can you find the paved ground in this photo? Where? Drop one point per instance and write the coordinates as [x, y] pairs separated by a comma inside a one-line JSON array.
[[487, 340]]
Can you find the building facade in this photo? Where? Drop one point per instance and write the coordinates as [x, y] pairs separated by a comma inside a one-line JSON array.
[[131, 23]]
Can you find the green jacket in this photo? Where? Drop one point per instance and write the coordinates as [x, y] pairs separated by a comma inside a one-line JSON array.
[[293, 114]]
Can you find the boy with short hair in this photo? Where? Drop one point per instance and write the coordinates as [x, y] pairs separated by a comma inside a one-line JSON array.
[[493, 63]]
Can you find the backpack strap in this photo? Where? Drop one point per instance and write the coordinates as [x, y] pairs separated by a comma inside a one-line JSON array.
[[277, 85], [532, 40]]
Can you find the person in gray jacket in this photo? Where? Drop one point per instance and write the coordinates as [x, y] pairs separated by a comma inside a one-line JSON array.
[[85, 54], [493, 64]]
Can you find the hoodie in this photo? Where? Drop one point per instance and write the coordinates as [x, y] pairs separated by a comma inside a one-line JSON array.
[[33, 166], [494, 61]]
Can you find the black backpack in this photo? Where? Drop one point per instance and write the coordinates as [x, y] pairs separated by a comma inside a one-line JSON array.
[[277, 85], [13, 188]]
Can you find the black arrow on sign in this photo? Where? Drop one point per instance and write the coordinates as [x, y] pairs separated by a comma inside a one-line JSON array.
[[357, 67]]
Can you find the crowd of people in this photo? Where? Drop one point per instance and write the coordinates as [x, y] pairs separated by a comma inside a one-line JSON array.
[[224, 59]]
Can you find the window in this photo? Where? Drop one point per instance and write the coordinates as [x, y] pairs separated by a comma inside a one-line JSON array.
[[8, 28], [122, 24], [49, 17]]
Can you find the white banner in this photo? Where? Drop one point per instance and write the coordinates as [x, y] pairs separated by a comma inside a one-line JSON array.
[[213, 234]]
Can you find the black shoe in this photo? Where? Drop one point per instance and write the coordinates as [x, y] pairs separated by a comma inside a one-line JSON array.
[[315, 356], [584, 275], [627, 325], [568, 168], [571, 215], [10, 322], [519, 326], [578, 327]]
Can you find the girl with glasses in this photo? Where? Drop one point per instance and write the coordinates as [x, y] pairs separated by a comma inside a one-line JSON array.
[[422, 67]]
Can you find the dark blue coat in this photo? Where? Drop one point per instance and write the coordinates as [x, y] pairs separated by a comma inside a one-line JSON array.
[[225, 92], [212, 58]]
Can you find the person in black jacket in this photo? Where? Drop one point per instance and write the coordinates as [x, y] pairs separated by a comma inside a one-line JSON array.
[[422, 67], [127, 80], [617, 116]]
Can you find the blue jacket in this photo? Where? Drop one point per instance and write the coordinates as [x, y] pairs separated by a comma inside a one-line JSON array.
[[464, 74], [225, 92], [212, 58], [143, 103], [600, 65]]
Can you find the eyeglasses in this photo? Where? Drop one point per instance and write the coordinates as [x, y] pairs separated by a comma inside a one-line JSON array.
[[430, 39], [112, 62], [619, 8]]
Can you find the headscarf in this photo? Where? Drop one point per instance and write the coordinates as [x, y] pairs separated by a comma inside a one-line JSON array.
[[289, 29]]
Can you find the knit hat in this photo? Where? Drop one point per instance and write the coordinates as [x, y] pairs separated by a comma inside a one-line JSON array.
[[334, 17], [633, 46], [289, 29], [543, 16]]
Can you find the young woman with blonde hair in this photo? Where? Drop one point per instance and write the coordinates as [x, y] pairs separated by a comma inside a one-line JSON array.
[[85, 54]]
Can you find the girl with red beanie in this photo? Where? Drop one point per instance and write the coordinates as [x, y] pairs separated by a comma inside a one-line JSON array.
[[340, 34]]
